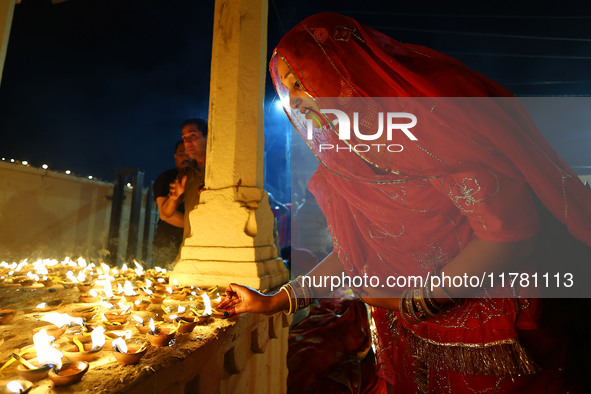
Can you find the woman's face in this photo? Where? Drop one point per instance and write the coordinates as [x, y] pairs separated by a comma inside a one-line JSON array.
[[298, 98]]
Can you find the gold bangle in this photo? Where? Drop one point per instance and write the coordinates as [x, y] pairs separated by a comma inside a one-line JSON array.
[[284, 287], [431, 312], [404, 302]]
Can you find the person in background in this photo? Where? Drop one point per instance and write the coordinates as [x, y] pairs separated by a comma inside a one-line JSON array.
[[187, 186], [169, 230]]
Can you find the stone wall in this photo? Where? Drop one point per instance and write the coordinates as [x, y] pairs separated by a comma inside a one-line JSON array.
[[48, 214]]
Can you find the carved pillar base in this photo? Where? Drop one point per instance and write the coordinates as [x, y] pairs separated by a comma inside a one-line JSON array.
[[231, 240]]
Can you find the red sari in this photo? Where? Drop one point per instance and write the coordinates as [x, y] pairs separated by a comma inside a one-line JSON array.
[[412, 212]]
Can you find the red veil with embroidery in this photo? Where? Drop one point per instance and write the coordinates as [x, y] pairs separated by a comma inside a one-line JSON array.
[[412, 212]]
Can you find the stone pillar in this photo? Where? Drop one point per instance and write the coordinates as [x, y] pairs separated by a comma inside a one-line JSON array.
[[232, 227], [6, 11]]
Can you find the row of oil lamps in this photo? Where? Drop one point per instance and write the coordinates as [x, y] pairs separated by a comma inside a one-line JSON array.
[[110, 295]]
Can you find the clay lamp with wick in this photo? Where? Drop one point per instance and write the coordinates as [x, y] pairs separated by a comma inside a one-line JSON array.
[[86, 313], [160, 337], [171, 316], [157, 298], [176, 294], [91, 297], [117, 316], [68, 373], [141, 325], [49, 305], [128, 354], [86, 351], [84, 288], [110, 336], [141, 305], [15, 386], [31, 370], [47, 358]]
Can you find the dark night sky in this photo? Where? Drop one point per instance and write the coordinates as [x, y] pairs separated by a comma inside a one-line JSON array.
[[93, 86]]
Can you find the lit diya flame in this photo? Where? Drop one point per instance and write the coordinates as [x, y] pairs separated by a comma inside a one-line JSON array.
[[98, 337], [169, 289], [148, 283], [181, 309], [106, 268], [93, 293], [41, 305], [128, 289], [81, 262], [148, 291], [15, 387], [207, 303], [119, 288], [120, 345], [108, 289], [124, 267], [45, 353], [124, 306], [152, 326], [107, 305], [138, 319], [62, 319], [139, 270], [175, 282]]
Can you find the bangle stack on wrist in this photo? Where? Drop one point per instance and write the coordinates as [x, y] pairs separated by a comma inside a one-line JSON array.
[[418, 304], [299, 295]]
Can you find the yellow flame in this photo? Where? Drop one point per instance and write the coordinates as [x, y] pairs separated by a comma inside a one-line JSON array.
[[138, 319], [15, 387], [120, 344], [207, 303], [45, 353], [98, 339]]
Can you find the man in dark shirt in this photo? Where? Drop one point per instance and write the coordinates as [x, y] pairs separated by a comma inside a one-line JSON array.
[[194, 133], [169, 230]]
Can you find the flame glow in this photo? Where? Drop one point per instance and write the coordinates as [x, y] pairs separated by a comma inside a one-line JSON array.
[[98, 337], [128, 289], [62, 319], [151, 325], [207, 302], [120, 345], [108, 289], [138, 319], [15, 387], [45, 353]]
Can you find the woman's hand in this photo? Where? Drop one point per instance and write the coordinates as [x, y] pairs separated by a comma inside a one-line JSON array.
[[245, 299]]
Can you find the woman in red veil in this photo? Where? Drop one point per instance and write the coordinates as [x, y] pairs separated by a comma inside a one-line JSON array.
[[473, 193]]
